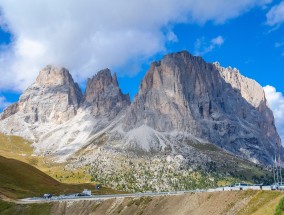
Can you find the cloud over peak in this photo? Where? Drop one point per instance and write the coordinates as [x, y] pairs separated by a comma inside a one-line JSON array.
[[89, 35], [202, 46], [276, 103]]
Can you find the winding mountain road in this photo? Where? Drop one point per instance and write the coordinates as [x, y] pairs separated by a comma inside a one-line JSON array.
[[133, 195]]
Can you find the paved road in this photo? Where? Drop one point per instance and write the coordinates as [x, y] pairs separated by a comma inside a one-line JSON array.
[[98, 197], [111, 196]]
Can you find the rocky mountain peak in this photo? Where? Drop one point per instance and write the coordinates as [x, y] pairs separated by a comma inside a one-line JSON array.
[[103, 95], [98, 84], [54, 97], [161, 72], [182, 92], [51, 76]]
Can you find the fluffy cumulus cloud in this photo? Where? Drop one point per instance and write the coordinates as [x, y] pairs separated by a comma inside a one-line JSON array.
[[202, 46], [89, 35], [275, 15], [276, 103]]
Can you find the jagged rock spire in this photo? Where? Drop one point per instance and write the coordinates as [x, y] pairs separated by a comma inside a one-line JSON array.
[[103, 95]]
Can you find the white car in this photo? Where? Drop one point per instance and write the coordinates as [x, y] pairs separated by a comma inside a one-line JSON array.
[[241, 186], [277, 186]]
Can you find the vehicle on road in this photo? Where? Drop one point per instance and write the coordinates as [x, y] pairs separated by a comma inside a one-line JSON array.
[[241, 186], [277, 186], [47, 196]]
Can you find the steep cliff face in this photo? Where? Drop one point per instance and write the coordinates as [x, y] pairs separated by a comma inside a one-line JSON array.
[[103, 96], [183, 93], [254, 94], [9, 111]]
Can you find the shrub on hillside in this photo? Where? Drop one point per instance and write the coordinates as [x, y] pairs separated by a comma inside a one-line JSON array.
[[280, 207]]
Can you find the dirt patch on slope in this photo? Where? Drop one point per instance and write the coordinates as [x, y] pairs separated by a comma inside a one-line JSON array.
[[234, 202]]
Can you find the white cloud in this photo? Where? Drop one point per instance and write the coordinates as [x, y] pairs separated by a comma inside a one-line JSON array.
[[276, 103], [172, 37], [3, 103], [275, 15], [202, 46], [218, 41], [88, 35]]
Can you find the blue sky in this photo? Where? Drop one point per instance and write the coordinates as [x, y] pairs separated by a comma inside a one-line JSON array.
[[127, 36], [248, 45]]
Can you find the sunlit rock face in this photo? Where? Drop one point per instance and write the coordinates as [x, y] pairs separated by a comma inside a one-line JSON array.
[[103, 96], [183, 93], [54, 97]]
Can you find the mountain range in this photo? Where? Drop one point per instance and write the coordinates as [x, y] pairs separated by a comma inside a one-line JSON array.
[[185, 110]]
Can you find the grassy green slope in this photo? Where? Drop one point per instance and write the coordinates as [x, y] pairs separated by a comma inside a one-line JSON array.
[[224, 168], [19, 180], [8, 208], [20, 149]]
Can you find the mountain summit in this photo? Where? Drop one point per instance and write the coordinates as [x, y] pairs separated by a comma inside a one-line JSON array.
[[54, 97], [103, 95]]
